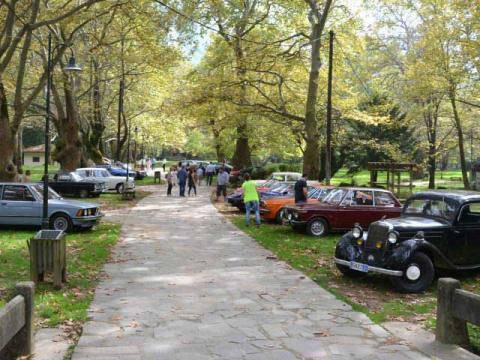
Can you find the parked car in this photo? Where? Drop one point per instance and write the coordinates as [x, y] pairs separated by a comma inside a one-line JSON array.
[[437, 230], [117, 171], [273, 208], [117, 183], [278, 189], [139, 174], [218, 165], [72, 184], [341, 209], [22, 204], [283, 176]]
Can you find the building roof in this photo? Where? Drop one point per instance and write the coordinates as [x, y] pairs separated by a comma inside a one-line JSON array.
[[35, 149]]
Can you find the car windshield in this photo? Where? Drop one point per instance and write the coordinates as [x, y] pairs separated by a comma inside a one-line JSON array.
[[76, 177], [269, 183], [38, 189], [442, 208], [335, 197], [279, 187], [321, 194]]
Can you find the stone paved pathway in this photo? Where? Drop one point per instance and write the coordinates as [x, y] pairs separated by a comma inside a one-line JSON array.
[[186, 284]]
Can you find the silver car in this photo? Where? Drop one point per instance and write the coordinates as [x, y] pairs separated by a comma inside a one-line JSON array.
[[22, 204]]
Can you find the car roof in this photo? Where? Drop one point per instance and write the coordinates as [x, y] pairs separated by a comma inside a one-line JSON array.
[[364, 188], [91, 168], [286, 173], [456, 195]]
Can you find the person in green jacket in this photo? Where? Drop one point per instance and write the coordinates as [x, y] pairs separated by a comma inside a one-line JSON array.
[[251, 198]]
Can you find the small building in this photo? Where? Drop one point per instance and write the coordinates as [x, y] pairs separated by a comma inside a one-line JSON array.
[[34, 155]]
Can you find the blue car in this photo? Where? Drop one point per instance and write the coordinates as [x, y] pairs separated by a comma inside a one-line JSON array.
[[22, 204]]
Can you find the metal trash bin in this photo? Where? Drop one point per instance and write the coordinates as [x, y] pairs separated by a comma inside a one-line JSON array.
[[48, 253]]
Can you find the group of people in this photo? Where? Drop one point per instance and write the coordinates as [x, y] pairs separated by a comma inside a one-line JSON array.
[[192, 175]]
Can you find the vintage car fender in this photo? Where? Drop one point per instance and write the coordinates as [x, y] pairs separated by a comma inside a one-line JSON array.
[[401, 255], [347, 248]]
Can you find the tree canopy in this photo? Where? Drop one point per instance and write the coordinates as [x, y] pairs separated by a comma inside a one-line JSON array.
[[244, 80]]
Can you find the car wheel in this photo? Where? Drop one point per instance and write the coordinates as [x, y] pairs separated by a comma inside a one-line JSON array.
[[280, 215], [120, 188], [83, 194], [346, 271], [418, 275], [61, 222], [317, 227]]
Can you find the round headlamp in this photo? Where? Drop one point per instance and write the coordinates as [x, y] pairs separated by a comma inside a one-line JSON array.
[[357, 232], [392, 237]]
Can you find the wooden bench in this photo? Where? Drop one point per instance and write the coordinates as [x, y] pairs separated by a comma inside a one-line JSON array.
[[16, 323], [455, 307]]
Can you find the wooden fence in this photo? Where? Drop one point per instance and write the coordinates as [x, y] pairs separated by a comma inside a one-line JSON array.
[[16, 323], [455, 308]]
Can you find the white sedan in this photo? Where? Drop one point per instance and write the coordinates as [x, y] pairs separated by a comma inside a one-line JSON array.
[[117, 183]]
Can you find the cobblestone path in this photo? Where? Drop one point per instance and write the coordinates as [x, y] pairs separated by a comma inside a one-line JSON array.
[[184, 283]]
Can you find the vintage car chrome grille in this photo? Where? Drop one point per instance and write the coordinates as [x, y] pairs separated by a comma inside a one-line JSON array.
[[376, 232]]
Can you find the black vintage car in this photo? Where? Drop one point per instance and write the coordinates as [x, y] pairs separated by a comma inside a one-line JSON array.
[[437, 230], [72, 184]]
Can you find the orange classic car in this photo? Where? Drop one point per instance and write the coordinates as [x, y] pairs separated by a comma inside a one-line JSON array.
[[272, 209]]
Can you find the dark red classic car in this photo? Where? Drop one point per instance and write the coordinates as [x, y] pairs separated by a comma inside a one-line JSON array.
[[343, 208]]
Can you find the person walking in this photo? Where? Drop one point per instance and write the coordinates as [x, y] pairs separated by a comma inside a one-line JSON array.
[[301, 189], [251, 198], [169, 178], [199, 175], [210, 170], [191, 181], [182, 176], [222, 182]]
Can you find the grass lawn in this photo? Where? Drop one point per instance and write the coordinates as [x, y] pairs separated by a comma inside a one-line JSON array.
[[372, 295], [86, 253]]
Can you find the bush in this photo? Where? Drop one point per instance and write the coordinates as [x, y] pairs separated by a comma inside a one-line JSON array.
[[296, 167]]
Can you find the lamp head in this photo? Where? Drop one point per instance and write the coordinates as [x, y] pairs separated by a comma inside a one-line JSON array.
[[72, 65]]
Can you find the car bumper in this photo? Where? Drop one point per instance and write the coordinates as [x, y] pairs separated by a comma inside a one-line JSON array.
[[373, 269], [87, 221], [297, 223]]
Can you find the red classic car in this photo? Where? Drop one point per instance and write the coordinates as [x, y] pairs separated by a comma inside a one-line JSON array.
[[343, 208]]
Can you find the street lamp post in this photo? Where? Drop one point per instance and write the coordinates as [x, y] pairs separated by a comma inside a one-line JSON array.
[[71, 67]]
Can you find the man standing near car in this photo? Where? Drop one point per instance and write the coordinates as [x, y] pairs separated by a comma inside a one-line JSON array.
[[210, 170], [182, 176], [251, 198], [301, 189], [222, 182]]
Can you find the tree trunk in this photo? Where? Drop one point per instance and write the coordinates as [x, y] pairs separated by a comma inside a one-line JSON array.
[[8, 170], [458, 125], [97, 124], [311, 157], [432, 165], [242, 155], [69, 147]]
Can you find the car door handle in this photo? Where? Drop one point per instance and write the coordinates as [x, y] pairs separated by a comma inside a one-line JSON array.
[[3, 204], [456, 232]]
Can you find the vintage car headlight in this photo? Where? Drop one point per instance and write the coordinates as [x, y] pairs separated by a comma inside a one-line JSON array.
[[392, 237], [357, 232]]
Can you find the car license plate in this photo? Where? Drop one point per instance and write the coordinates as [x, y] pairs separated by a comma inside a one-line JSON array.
[[358, 266]]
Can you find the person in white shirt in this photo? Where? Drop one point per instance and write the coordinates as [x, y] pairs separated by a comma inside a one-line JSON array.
[[210, 171]]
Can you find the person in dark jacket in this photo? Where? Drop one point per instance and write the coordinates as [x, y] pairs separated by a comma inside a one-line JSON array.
[[182, 176], [191, 181]]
